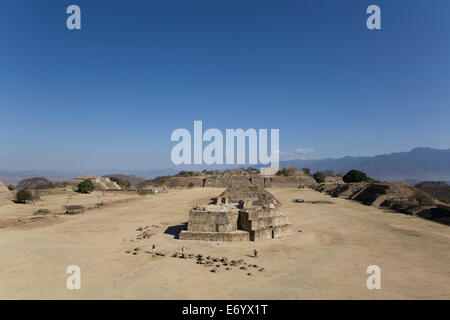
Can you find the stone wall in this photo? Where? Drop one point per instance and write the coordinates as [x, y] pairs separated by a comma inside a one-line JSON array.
[[213, 218], [215, 236], [264, 223]]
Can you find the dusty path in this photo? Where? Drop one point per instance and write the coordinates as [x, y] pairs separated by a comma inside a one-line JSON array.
[[326, 260]]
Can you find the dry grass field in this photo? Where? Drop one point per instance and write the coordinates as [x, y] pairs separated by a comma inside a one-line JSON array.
[[325, 258]]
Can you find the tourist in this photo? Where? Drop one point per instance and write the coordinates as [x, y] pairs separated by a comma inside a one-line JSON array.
[[255, 253], [153, 249], [182, 250]]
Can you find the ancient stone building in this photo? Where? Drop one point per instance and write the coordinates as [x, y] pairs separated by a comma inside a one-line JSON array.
[[241, 213], [289, 177]]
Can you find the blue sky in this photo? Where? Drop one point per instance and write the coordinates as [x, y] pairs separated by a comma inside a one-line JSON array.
[[110, 95]]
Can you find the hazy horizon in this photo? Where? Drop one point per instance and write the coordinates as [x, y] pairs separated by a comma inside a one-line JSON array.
[[105, 170]]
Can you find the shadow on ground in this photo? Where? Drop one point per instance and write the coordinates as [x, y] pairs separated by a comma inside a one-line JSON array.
[[175, 230]]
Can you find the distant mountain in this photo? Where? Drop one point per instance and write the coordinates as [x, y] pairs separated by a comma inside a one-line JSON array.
[[419, 164], [14, 176]]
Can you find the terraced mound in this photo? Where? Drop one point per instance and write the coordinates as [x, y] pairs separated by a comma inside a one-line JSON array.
[[399, 196], [238, 192]]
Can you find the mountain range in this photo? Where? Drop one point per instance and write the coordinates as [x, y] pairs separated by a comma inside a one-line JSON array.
[[419, 164]]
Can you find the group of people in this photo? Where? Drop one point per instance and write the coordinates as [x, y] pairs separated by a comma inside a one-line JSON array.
[[255, 253]]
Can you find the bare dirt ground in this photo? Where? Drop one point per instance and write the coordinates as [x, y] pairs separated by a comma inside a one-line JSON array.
[[325, 258]]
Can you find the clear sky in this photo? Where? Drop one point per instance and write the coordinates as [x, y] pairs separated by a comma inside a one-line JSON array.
[[110, 95]]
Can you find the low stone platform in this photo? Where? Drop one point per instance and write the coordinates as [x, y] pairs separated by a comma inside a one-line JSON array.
[[238, 235]]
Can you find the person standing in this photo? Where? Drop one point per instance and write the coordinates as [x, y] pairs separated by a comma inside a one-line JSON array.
[[153, 250], [255, 253]]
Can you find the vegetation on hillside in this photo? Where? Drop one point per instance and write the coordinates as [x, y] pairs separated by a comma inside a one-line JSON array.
[[188, 174]]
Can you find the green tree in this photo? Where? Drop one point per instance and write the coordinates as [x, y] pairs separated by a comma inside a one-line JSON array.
[[23, 196], [86, 186], [319, 177], [355, 176]]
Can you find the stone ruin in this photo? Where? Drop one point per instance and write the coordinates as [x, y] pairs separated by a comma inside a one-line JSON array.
[[5, 194], [252, 216], [100, 183]]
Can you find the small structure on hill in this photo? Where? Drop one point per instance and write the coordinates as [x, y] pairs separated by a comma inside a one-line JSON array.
[[241, 213]]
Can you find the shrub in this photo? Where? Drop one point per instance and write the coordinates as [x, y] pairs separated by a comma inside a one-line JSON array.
[[319, 177], [86, 186], [10, 187], [355, 176], [23, 196], [191, 185]]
